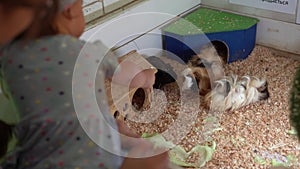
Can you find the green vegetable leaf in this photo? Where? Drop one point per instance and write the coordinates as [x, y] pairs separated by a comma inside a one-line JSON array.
[[276, 163], [177, 153], [178, 156], [292, 131], [260, 160], [205, 152], [158, 141]]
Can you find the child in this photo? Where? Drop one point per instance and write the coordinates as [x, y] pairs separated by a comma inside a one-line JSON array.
[[39, 77]]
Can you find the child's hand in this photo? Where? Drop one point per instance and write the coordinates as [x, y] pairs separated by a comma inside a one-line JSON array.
[[128, 137], [125, 130], [140, 157]]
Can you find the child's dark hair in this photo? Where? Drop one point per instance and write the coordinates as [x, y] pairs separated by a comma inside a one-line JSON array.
[[6, 133], [45, 15], [43, 25]]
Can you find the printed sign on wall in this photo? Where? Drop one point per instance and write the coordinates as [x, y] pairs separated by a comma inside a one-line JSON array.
[[285, 6]]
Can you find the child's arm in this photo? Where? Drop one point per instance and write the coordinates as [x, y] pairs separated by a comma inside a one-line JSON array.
[[156, 162]]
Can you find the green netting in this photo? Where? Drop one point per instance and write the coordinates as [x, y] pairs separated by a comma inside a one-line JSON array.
[[206, 20]]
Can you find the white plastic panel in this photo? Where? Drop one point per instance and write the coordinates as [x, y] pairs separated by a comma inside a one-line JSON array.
[[138, 20], [95, 8], [279, 35], [124, 50], [126, 27], [109, 2], [87, 2], [150, 44], [111, 5], [92, 11]]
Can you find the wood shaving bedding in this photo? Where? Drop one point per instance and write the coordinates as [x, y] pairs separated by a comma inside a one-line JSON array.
[[255, 136]]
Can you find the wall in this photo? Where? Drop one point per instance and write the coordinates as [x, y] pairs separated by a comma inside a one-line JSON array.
[[279, 35], [146, 17], [276, 29]]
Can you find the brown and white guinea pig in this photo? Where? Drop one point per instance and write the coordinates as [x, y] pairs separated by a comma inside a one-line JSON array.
[[197, 79], [205, 67], [256, 89], [230, 93]]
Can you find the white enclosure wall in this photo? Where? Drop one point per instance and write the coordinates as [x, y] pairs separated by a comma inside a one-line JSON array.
[[278, 28], [146, 17], [279, 24]]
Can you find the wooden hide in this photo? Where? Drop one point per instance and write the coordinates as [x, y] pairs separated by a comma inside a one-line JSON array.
[[120, 97]]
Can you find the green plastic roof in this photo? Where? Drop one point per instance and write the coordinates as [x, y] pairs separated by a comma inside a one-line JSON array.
[[204, 20]]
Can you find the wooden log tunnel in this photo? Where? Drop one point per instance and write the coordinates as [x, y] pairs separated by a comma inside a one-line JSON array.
[[124, 101]]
